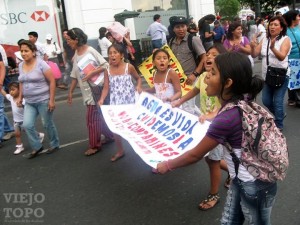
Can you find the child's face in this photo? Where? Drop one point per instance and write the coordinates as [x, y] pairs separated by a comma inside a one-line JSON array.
[[161, 61], [13, 91], [210, 58], [213, 81], [114, 56]]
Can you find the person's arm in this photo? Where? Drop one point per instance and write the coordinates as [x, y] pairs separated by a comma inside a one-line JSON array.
[[3, 92], [136, 76], [284, 48], [71, 90], [57, 48], [50, 78], [105, 89], [150, 90], [189, 157], [176, 84], [2, 73], [192, 93], [255, 47]]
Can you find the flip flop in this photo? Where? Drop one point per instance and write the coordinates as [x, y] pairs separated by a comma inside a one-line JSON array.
[[116, 157]]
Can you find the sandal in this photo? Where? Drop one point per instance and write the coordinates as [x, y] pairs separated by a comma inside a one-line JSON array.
[[210, 202], [91, 151]]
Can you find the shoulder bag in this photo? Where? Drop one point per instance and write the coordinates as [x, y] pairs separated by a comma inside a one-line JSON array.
[[275, 77]]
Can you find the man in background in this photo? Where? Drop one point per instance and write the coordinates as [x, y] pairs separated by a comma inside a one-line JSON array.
[[41, 52], [157, 32]]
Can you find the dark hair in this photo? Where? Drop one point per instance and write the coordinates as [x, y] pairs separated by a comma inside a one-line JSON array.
[[282, 24], [232, 28], [252, 17], [13, 84], [77, 34], [290, 16], [259, 21], [19, 41], [240, 72], [64, 30], [219, 47], [118, 47], [30, 45], [156, 17], [102, 32], [33, 33], [158, 51]]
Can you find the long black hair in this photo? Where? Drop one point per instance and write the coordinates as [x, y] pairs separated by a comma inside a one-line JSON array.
[[237, 67], [77, 34]]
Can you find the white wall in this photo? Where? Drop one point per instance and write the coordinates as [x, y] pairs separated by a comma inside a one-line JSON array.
[[90, 15]]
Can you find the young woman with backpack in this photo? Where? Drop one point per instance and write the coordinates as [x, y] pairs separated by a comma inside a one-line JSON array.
[[249, 198]]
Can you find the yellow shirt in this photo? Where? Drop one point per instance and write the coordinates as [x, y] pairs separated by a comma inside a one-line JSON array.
[[207, 104]]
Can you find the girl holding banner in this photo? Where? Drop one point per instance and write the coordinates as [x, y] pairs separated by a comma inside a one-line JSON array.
[[209, 107], [118, 80], [166, 81]]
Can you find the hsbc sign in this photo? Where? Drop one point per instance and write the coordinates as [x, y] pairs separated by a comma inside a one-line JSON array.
[[39, 16], [14, 18]]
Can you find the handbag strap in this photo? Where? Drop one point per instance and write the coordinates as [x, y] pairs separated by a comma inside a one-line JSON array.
[[268, 52], [55, 46], [295, 39]]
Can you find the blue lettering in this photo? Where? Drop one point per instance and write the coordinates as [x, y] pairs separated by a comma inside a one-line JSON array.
[[173, 136], [162, 128], [185, 143]]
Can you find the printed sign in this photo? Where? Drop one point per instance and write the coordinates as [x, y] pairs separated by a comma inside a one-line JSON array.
[[147, 69], [294, 82], [154, 129]]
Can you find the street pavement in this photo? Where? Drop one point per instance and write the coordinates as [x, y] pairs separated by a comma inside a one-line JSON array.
[[69, 188]]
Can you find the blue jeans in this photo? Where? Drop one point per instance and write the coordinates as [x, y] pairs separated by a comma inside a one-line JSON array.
[[156, 43], [250, 201], [273, 99], [31, 112]]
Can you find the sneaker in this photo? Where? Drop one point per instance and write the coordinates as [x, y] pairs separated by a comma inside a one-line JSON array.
[[41, 136], [19, 149], [8, 136]]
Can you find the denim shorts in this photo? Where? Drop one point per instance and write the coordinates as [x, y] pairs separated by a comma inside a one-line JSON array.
[[216, 154], [249, 201], [18, 126]]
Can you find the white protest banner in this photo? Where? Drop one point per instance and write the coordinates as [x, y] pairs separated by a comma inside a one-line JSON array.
[[154, 129], [294, 81]]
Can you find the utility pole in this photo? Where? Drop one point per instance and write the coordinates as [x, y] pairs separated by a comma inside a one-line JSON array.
[[187, 9], [257, 9]]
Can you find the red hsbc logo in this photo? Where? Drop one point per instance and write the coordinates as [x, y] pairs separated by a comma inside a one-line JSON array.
[[39, 16]]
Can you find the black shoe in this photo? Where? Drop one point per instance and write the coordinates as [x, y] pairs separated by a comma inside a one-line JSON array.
[[35, 153], [51, 150]]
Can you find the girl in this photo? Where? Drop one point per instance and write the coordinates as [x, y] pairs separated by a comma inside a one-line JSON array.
[[18, 114], [95, 123], [166, 81], [247, 199], [118, 80], [209, 107], [274, 49]]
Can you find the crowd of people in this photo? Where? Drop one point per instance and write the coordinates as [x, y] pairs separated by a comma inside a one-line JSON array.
[[208, 64]]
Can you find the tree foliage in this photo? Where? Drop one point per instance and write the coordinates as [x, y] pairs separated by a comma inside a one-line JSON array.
[[265, 5], [228, 8]]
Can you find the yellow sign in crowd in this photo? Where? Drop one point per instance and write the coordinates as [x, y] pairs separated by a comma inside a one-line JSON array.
[[147, 69]]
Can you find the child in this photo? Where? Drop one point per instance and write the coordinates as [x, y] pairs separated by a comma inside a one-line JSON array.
[[166, 81], [118, 80], [248, 199], [209, 106], [18, 113]]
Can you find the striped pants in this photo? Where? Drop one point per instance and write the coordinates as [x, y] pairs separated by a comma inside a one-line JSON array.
[[96, 126]]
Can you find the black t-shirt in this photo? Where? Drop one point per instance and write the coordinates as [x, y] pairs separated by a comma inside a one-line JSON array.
[[1, 59], [69, 51], [205, 28]]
